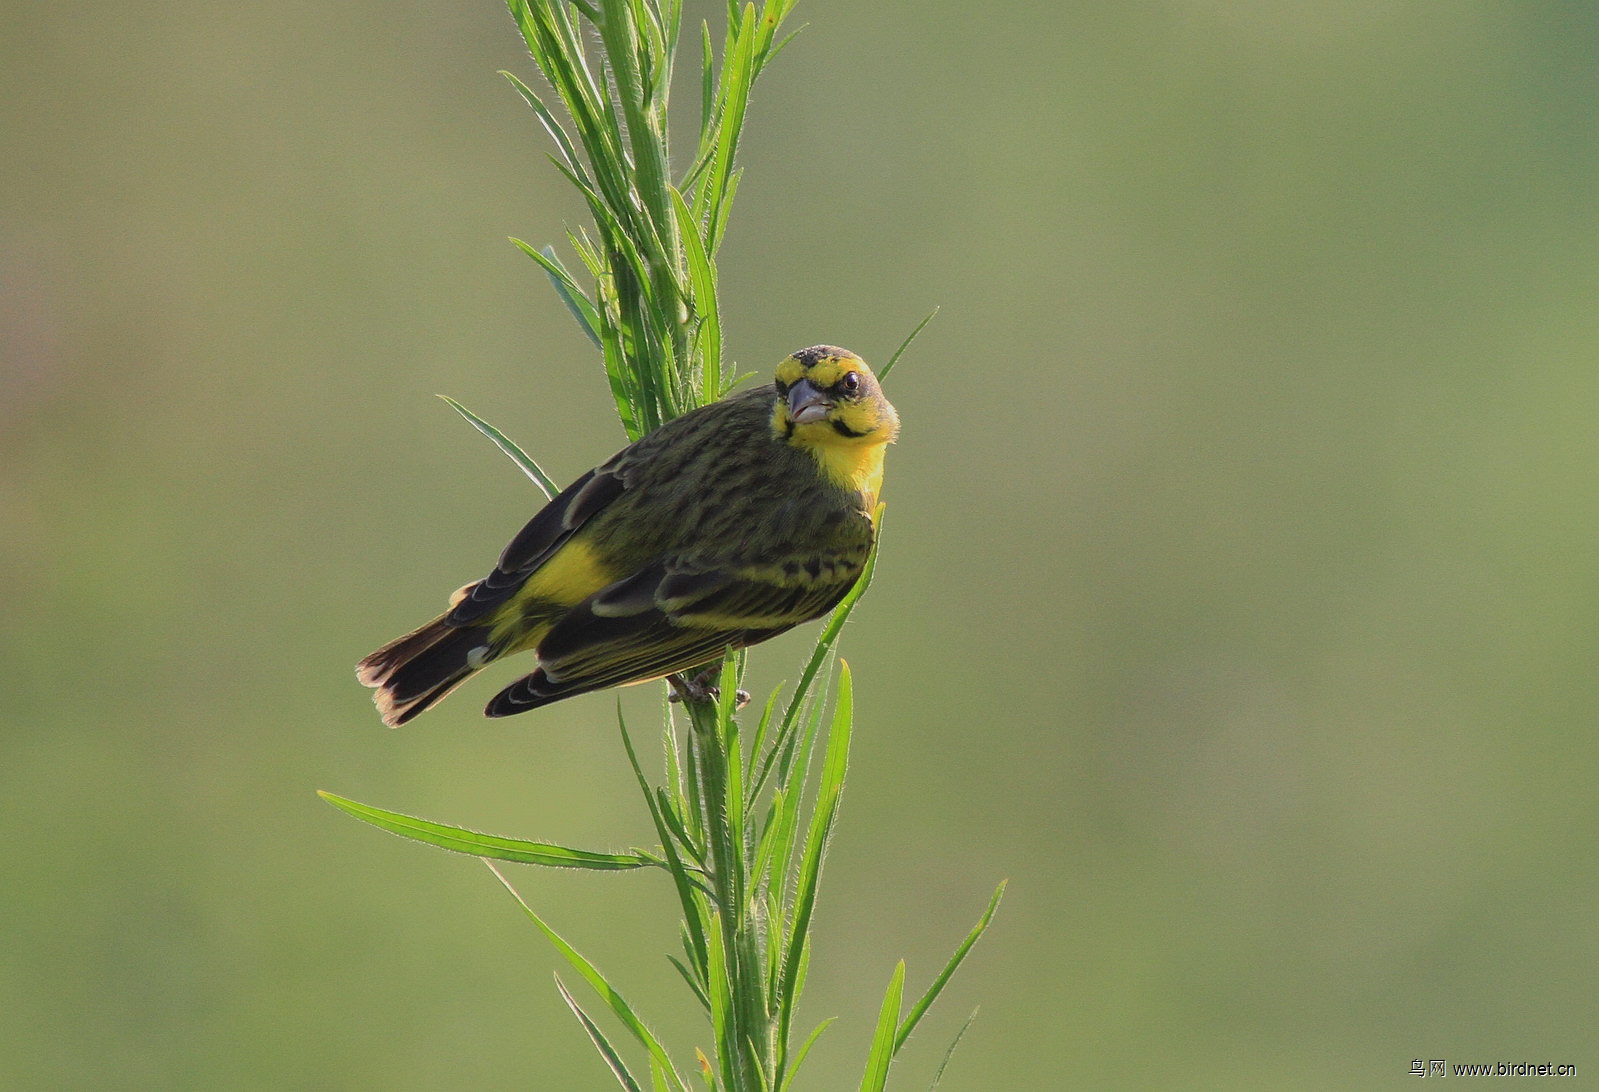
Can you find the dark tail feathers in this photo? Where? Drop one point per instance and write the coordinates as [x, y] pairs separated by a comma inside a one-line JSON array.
[[413, 672]]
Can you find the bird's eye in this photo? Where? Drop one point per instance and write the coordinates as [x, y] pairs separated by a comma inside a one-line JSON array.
[[851, 383]]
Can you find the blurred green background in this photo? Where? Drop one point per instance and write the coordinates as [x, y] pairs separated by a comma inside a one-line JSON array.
[[1239, 599]]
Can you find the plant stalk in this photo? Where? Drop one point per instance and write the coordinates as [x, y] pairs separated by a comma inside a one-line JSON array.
[[749, 1047]]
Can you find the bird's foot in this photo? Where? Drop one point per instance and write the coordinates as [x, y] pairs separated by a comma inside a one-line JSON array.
[[702, 687]]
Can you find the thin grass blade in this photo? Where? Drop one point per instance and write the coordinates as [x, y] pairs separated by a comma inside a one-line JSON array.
[[882, 372], [695, 850], [693, 985], [882, 1054], [797, 747], [823, 815], [758, 740], [805, 1048], [601, 1043], [702, 277], [488, 846], [737, 62], [780, 45], [720, 982], [920, 1008], [521, 458], [681, 879], [938, 1074], [727, 734], [551, 125], [608, 993], [724, 210], [580, 306], [775, 841], [707, 79]]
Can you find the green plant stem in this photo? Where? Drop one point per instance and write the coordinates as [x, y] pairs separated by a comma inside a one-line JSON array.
[[750, 1041]]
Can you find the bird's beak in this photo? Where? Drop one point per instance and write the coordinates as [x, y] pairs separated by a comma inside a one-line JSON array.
[[806, 403]]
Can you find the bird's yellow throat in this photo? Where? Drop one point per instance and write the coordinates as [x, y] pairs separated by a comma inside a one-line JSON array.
[[852, 464]]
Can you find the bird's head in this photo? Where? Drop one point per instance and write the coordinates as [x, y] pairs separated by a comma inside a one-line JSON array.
[[827, 396], [830, 404]]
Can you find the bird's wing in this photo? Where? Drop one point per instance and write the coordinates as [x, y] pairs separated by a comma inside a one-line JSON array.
[[672, 616], [537, 542]]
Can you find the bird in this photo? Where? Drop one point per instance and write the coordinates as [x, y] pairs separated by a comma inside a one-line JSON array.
[[721, 528]]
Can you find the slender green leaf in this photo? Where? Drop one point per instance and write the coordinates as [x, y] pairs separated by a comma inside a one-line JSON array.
[[775, 839], [707, 79], [837, 760], [630, 406], [680, 874], [720, 979], [608, 993], [695, 849], [938, 1074], [618, 31], [581, 307], [460, 840], [733, 756], [556, 130], [689, 790], [787, 38], [737, 77], [906, 344], [824, 813], [658, 1077], [724, 210], [920, 1008], [805, 1048], [796, 747], [601, 1043], [758, 740], [673, 777], [797, 987], [521, 458], [695, 185], [882, 1053], [693, 984], [702, 275], [771, 897]]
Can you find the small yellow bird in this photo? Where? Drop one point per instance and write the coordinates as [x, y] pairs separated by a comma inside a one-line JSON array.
[[724, 527]]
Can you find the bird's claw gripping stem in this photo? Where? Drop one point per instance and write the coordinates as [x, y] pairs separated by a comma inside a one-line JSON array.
[[702, 687]]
